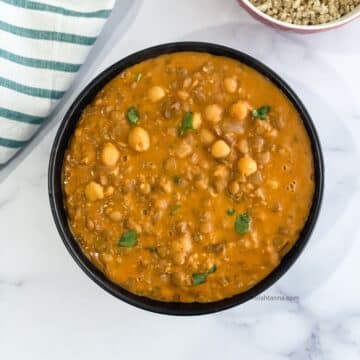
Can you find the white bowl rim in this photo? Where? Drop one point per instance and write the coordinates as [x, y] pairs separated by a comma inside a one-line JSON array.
[[335, 23]]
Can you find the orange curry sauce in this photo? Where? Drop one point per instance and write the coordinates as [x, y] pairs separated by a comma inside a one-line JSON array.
[[188, 178]]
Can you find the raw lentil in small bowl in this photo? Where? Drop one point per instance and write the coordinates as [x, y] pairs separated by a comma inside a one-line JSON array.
[[303, 16], [186, 178]]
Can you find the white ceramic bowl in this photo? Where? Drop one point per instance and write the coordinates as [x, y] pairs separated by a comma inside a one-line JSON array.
[[304, 29]]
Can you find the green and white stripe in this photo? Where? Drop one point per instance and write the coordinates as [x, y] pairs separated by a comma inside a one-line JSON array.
[[42, 46], [94, 9]]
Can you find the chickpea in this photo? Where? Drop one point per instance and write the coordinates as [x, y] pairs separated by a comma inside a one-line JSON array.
[[206, 227], [115, 172], [273, 184], [220, 185], [202, 184], [206, 136], [145, 188], [180, 279], [185, 107], [204, 164], [259, 193], [165, 185], [99, 102], [243, 146], [109, 191], [139, 139], [273, 255], [170, 164], [160, 203], [87, 153], [78, 132], [132, 224], [213, 113], [239, 110], [221, 171], [183, 243], [162, 251], [230, 84], [264, 124], [220, 149], [109, 154], [234, 187], [182, 227], [187, 82], [248, 244], [196, 120], [156, 93], [194, 158], [258, 143], [264, 158], [90, 225], [172, 131], [115, 216], [117, 116], [106, 257], [94, 191], [182, 94], [256, 178], [247, 165], [249, 187], [179, 257], [272, 133], [103, 180]]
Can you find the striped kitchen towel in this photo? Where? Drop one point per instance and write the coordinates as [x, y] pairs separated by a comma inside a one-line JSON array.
[[42, 46]]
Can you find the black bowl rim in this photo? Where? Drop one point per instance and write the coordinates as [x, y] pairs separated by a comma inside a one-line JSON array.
[[56, 195]]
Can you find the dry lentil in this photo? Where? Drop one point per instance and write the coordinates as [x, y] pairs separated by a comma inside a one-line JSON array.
[[306, 12]]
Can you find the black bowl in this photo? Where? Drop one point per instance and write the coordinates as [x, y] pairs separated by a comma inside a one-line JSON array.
[[57, 200]]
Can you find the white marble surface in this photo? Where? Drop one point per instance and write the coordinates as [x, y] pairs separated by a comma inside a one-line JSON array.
[[49, 309]]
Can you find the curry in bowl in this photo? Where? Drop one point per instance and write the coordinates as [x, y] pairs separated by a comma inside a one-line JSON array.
[[188, 178]]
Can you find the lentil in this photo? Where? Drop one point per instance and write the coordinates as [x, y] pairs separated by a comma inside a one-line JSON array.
[[306, 12], [188, 215]]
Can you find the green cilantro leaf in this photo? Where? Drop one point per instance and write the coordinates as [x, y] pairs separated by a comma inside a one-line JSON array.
[[128, 239], [262, 112], [242, 223], [200, 278], [187, 123], [133, 115], [175, 209]]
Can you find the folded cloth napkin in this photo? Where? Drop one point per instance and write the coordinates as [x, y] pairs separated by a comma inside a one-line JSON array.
[[42, 46]]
